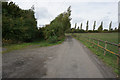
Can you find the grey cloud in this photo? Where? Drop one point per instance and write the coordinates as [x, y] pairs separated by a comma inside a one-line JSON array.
[[77, 20], [41, 13], [108, 12]]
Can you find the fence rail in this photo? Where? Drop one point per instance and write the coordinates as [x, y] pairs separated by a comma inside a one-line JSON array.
[[105, 47]]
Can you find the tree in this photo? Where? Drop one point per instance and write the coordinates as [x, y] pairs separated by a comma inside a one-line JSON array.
[[81, 26], [18, 25], [100, 29], [75, 25], [115, 29], [110, 26], [87, 25], [119, 27], [94, 25], [59, 26]]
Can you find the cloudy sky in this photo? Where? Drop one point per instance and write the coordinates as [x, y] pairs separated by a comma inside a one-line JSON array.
[[82, 10]]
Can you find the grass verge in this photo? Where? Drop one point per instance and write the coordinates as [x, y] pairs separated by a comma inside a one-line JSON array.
[[43, 43]]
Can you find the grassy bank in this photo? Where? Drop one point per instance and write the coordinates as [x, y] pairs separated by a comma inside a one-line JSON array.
[[42, 43], [109, 59]]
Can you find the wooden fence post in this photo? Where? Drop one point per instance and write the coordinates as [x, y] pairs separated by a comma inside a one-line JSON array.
[[105, 47]]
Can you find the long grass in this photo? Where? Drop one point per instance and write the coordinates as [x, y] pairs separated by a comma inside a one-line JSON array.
[[43, 43]]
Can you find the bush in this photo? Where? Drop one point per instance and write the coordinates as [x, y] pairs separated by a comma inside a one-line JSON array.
[[90, 31], [52, 39], [61, 38]]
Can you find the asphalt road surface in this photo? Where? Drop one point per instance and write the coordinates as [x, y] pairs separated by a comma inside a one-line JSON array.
[[71, 59]]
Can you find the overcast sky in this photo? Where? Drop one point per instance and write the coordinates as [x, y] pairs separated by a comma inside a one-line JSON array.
[[82, 10]]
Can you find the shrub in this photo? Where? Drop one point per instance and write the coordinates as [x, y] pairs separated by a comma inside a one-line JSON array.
[[52, 39]]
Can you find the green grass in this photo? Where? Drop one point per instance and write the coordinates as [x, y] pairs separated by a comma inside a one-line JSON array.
[[111, 37], [43, 43], [109, 59]]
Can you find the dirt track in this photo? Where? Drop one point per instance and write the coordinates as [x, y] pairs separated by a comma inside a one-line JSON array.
[[71, 59]]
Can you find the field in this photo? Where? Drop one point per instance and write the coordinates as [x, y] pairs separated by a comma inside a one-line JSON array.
[[108, 58]]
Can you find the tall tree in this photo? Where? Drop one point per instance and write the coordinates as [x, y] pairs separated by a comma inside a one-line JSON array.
[[81, 26], [115, 29], [100, 27], [75, 25], [59, 25], [18, 25], [94, 25], [110, 26], [87, 25], [119, 27]]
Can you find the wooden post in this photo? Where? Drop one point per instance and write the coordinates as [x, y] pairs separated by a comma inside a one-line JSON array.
[[105, 47]]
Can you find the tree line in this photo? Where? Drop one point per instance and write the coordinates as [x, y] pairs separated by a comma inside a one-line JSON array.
[[79, 29], [55, 31], [20, 25]]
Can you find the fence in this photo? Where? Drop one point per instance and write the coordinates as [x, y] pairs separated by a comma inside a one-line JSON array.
[[104, 46]]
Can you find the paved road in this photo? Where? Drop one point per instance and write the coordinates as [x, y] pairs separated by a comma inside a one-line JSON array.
[[71, 59]]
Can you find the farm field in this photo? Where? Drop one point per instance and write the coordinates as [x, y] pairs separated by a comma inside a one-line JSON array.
[[111, 37], [108, 58]]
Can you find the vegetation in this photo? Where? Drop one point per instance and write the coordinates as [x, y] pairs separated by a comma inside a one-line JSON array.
[[100, 29], [20, 26], [94, 30], [109, 59], [94, 25], [87, 26], [110, 26], [34, 44], [57, 28]]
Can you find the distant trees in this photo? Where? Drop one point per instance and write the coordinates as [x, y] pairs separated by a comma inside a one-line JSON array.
[[87, 25], [94, 25], [110, 26], [119, 27], [100, 29], [75, 25], [81, 26]]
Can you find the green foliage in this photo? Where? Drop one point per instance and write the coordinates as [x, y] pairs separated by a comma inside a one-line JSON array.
[[110, 26], [94, 25], [75, 25], [58, 26], [119, 27], [41, 43], [73, 30], [100, 29], [87, 25], [52, 39], [81, 26], [18, 25]]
